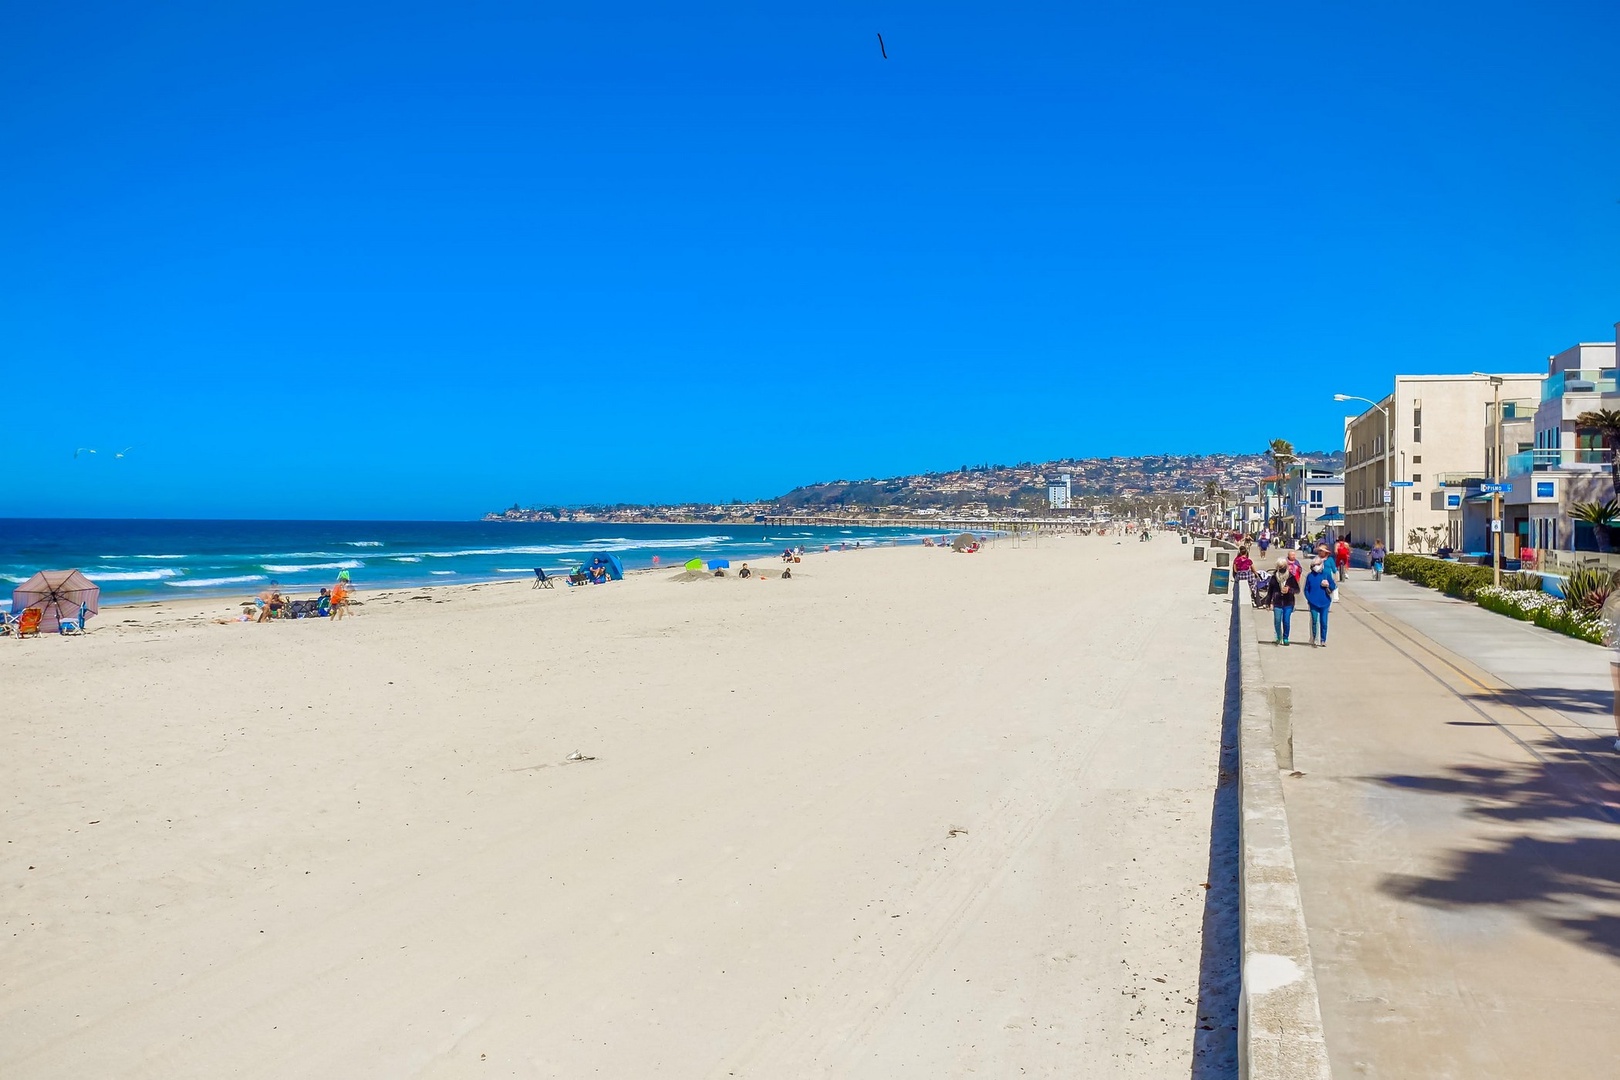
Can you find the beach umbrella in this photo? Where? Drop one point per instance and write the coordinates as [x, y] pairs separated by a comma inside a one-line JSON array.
[[695, 565], [58, 594], [719, 564], [963, 541]]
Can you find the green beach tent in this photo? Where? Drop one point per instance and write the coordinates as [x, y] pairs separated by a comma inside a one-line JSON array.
[[696, 565]]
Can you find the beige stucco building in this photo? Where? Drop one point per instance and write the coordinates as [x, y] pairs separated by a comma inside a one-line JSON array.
[[1436, 437]]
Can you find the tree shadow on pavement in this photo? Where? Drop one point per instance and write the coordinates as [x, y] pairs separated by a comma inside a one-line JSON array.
[[1555, 853], [1565, 699], [1215, 1035]]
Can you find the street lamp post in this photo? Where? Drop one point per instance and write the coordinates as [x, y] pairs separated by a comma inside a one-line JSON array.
[[1388, 493]]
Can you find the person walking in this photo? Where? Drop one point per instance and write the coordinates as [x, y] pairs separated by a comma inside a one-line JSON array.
[[1320, 592], [1264, 540], [1378, 560], [1341, 556], [1281, 589]]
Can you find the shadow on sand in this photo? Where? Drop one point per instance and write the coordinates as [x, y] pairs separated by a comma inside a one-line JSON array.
[[1556, 856], [1215, 1035]]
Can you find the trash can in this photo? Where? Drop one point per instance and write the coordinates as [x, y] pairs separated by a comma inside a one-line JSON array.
[[1198, 553], [1183, 538], [1219, 580], [1223, 558]]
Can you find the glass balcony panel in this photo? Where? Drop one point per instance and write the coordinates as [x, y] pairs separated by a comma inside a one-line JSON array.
[[1579, 381]]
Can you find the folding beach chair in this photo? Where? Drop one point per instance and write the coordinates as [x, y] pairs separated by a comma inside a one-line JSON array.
[[541, 581], [28, 622], [74, 625]]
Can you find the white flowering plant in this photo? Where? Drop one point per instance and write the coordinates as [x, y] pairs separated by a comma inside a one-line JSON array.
[[1546, 611]]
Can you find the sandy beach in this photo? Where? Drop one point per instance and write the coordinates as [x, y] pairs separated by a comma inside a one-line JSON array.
[[911, 813]]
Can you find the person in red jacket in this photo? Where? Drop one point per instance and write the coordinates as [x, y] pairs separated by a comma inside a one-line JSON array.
[[1341, 555]]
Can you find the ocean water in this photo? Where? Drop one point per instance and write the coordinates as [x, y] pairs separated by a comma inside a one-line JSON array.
[[152, 560]]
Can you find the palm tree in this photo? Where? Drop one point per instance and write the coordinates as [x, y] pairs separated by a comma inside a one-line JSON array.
[[1599, 515], [1606, 422], [1282, 455]]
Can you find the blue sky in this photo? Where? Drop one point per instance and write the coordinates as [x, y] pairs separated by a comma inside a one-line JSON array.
[[409, 260]]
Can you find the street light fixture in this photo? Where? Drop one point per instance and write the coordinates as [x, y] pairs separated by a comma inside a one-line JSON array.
[[1389, 490]]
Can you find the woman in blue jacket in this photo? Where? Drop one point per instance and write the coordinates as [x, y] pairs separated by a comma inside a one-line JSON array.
[[1320, 589]]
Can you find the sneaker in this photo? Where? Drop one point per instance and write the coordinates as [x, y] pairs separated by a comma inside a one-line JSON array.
[[1278, 641], [1285, 642], [1617, 745]]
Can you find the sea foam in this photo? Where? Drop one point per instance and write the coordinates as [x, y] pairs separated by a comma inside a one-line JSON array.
[[205, 583], [130, 575], [299, 568]]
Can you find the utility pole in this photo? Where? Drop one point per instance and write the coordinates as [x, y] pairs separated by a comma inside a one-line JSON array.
[[1496, 486]]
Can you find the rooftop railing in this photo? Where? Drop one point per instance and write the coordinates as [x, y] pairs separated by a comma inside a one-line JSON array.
[[1579, 381]]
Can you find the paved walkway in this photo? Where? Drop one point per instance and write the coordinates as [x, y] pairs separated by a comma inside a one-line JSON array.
[[1455, 822]]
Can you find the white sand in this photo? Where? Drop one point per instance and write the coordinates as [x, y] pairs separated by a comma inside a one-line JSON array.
[[354, 850]]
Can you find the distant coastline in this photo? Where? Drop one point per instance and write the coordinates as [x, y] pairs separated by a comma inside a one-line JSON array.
[[1117, 483]]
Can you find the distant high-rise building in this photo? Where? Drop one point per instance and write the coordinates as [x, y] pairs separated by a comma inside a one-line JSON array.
[[1058, 492]]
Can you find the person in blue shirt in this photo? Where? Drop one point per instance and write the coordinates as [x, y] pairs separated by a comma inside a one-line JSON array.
[[1320, 589]]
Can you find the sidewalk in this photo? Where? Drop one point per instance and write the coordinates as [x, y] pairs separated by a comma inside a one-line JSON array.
[[1455, 829]]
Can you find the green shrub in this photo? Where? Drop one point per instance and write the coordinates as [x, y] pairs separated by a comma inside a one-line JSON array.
[[1586, 590], [1522, 582], [1462, 580], [1546, 611]]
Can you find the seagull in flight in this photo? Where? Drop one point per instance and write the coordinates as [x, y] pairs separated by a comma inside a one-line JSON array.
[[122, 452], [82, 450]]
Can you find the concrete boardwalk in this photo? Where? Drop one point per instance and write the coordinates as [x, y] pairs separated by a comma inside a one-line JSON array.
[[1457, 839]]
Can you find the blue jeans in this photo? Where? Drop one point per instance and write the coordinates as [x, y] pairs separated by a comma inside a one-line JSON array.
[[1282, 619], [1319, 624]]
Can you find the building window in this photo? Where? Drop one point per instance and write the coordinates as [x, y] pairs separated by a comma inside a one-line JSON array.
[[1417, 496], [1417, 425], [1417, 459], [1417, 478]]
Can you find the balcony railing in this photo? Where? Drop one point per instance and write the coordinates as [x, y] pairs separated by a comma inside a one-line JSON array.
[[1529, 461], [1461, 479], [1579, 381]]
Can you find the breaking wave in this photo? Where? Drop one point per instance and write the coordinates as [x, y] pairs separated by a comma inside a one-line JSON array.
[[131, 575], [204, 583], [299, 568]]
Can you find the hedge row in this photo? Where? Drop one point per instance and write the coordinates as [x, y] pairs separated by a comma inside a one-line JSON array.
[[1462, 580]]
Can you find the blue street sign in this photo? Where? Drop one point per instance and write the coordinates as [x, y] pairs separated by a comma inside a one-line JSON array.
[[1491, 489], [1400, 483]]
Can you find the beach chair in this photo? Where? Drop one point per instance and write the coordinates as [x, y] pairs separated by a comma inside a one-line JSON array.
[[74, 625], [580, 578], [541, 581], [28, 622]]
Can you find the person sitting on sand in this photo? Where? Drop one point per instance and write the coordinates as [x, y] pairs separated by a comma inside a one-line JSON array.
[[323, 604], [598, 573], [787, 573], [745, 572]]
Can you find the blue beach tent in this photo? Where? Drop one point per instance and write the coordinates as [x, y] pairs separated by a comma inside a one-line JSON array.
[[615, 568], [719, 564]]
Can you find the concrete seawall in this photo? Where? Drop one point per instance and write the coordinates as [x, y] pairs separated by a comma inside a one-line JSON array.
[[1280, 1034]]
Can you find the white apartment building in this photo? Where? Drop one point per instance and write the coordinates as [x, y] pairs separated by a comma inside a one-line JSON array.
[[1310, 496], [1550, 461], [1429, 433], [1059, 491]]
